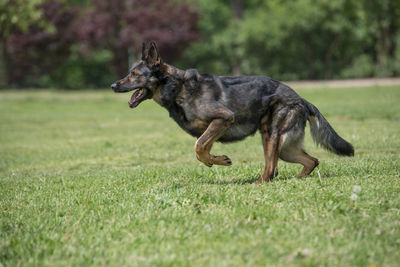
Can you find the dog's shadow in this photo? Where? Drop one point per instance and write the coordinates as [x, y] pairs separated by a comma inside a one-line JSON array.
[[245, 181], [253, 179], [240, 181]]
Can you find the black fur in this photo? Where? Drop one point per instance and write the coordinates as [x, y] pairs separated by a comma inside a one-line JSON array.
[[169, 92], [234, 108], [323, 133]]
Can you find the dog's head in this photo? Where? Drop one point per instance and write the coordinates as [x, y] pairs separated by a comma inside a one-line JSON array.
[[144, 77]]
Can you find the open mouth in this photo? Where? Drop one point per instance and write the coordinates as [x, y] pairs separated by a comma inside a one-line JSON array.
[[138, 96]]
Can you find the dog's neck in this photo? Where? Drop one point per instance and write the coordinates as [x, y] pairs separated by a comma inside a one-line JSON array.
[[173, 71], [170, 84]]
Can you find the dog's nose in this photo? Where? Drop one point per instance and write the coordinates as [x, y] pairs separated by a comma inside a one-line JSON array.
[[114, 86]]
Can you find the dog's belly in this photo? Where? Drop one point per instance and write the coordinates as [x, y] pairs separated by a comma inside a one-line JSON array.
[[238, 132]]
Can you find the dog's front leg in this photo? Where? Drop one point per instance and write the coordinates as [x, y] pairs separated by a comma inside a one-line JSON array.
[[203, 145]]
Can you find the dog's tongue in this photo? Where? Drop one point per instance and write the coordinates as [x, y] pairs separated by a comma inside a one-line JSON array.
[[134, 96]]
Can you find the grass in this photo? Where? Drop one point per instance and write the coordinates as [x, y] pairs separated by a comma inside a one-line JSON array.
[[84, 180]]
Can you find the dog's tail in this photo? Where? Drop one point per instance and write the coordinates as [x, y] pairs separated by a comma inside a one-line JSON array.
[[324, 135]]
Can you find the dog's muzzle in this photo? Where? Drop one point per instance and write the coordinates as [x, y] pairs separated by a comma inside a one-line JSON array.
[[114, 86], [117, 88]]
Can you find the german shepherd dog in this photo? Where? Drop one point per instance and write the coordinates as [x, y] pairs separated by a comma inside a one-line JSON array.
[[227, 109]]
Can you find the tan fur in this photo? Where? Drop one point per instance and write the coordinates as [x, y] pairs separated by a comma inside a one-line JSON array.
[[204, 143]]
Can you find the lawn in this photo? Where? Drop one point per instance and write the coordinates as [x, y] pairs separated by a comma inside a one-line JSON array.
[[84, 180]]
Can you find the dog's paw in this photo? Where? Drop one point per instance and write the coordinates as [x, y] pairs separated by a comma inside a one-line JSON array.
[[260, 181], [263, 180], [206, 159], [222, 160]]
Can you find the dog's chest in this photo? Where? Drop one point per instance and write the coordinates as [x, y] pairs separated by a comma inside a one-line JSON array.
[[189, 106], [187, 120]]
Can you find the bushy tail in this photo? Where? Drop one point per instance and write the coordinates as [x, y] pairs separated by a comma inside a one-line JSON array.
[[324, 135]]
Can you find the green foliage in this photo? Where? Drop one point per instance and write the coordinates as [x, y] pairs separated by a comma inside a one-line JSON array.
[[78, 72], [84, 180], [382, 21], [283, 39], [300, 39], [362, 66], [18, 14]]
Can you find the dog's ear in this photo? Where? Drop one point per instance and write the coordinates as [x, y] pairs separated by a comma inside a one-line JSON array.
[[143, 51], [153, 57]]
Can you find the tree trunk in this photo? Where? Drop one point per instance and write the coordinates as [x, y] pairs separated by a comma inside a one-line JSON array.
[[386, 37], [329, 55], [3, 65], [237, 8], [309, 58]]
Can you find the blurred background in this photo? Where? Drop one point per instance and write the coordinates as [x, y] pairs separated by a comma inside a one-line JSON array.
[[78, 44]]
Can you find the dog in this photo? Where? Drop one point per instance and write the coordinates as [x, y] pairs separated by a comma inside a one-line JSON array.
[[228, 109]]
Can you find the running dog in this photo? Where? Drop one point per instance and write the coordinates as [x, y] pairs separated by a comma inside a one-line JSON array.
[[227, 109]]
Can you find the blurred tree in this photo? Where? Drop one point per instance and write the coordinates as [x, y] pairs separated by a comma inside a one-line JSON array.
[[237, 8], [303, 39], [70, 43], [122, 25], [37, 51], [297, 39], [382, 21], [17, 15], [218, 33]]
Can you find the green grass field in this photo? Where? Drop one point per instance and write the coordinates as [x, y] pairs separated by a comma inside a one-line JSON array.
[[84, 180]]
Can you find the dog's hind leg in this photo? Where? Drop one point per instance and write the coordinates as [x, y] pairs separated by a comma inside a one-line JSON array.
[[292, 151], [298, 155], [271, 141], [203, 145]]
